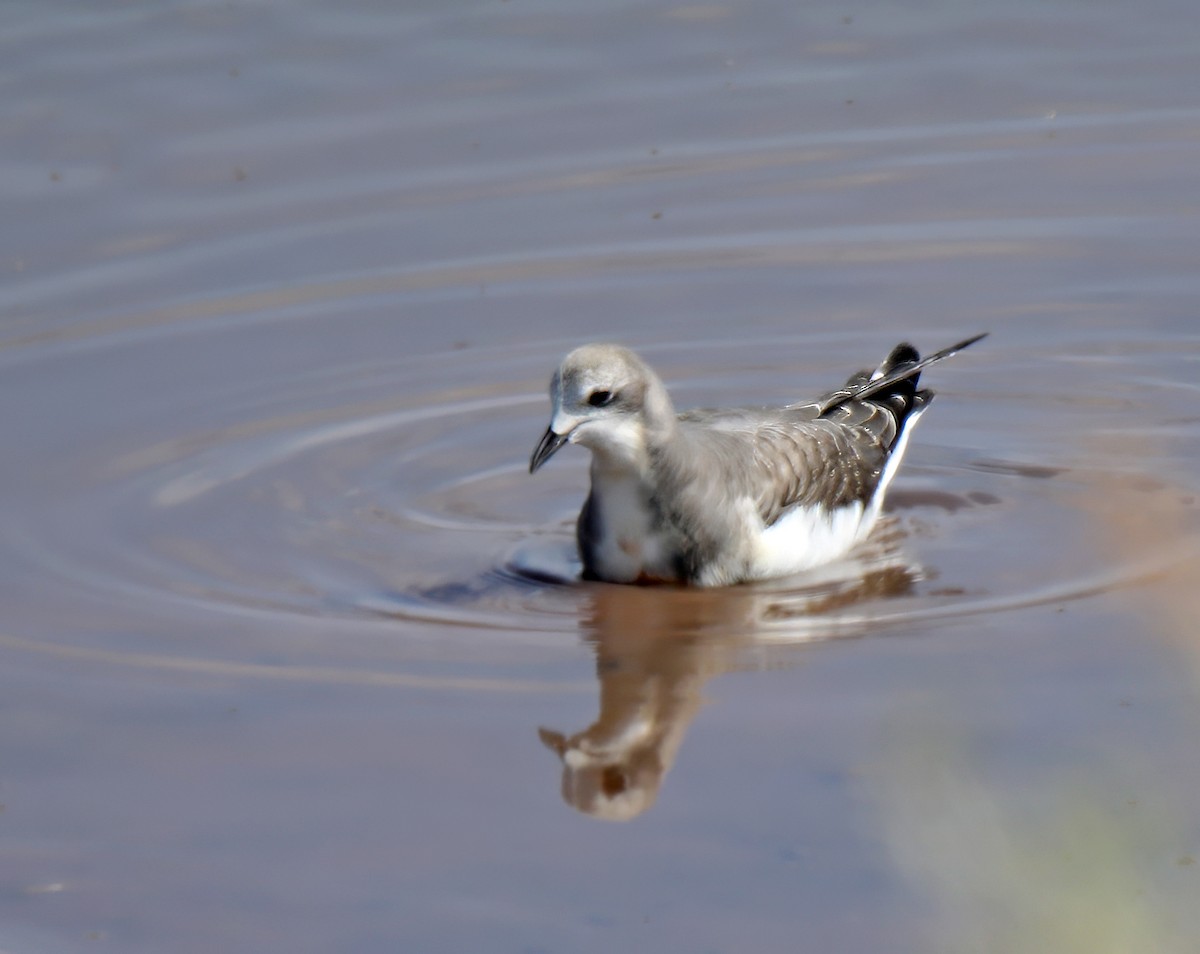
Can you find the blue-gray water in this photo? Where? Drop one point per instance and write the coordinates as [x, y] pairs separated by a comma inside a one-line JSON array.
[[282, 287]]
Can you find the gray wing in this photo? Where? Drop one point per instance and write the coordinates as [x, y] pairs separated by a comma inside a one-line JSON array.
[[794, 456], [830, 451]]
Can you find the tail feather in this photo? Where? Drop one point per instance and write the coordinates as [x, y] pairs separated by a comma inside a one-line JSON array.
[[900, 398], [894, 383]]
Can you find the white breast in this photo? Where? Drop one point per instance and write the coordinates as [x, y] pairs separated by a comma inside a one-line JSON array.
[[628, 545]]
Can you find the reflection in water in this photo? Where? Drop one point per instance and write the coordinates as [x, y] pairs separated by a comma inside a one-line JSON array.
[[656, 647]]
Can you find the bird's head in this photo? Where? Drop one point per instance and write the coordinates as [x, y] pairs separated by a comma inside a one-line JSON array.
[[606, 398]]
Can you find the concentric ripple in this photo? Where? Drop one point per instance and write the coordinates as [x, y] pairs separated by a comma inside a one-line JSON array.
[[375, 501]]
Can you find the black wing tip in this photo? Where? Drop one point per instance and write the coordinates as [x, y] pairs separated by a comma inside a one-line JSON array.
[[953, 349], [903, 363], [937, 355], [903, 353], [906, 353]]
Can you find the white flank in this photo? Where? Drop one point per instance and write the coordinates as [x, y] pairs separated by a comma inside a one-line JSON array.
[[807, 537]]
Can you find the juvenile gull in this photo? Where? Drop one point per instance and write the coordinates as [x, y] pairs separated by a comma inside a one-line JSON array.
[[712, 497]]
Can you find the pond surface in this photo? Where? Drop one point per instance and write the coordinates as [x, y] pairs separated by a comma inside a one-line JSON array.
[[293, 655]]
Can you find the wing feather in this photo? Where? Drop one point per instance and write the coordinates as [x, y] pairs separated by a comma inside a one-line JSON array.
[[788, 458]]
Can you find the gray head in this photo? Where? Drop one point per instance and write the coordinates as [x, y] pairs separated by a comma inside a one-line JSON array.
[[611, 785], [608, 399]]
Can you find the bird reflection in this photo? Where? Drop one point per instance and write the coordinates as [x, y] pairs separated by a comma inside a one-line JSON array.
[[656, 647]]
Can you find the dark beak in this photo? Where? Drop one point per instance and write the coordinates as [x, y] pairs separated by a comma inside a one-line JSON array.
[[549, 443], [546, 447], [556, 742]]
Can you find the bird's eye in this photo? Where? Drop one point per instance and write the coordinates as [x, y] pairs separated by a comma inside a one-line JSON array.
[[600, 398]]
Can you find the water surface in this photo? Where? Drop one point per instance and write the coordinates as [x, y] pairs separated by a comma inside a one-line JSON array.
[[293, 657]]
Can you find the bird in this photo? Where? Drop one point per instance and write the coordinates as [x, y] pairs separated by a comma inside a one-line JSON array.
[[716, 497]]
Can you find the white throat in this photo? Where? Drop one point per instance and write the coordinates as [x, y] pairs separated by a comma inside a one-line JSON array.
[[618, 444]]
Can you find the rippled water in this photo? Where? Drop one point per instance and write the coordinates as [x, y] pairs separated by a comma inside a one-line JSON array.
[[295, 656]]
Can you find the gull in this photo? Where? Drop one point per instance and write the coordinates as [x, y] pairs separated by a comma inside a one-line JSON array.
[[716, 497]]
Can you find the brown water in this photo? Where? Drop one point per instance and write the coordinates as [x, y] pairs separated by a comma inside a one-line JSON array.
[[291, 645]]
